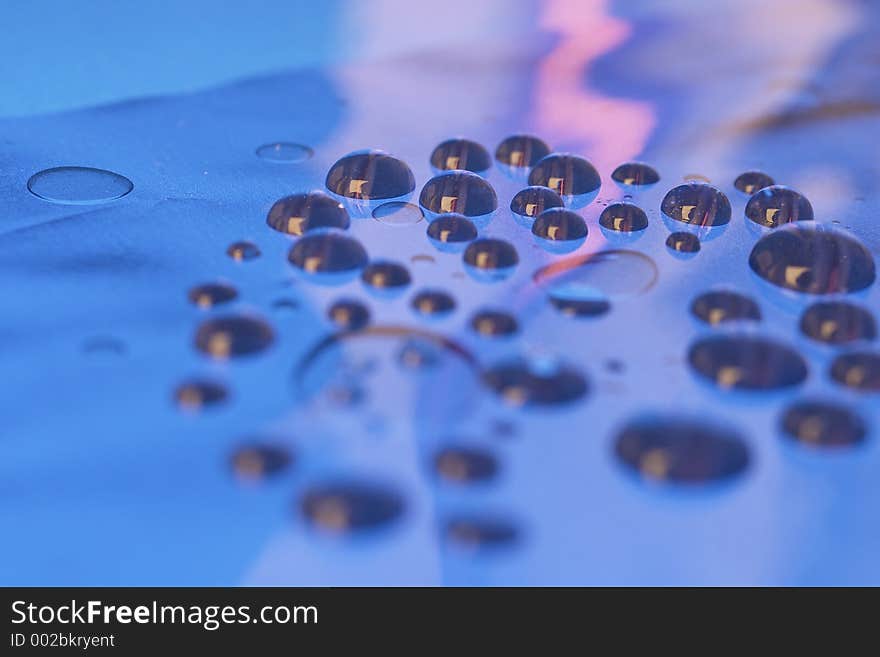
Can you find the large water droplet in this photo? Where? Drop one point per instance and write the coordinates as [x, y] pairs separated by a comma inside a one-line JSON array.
[[724, 306], [560, 225], [526, 383], [751, 181], [859, 370], [521, 151], [773, 206], [747, 363], [328, 253], [494, 323], [569, 176], [837, 322], [681, 451], [697, 204], [300, 213], [370, 175], [462, 192], [284, 152], [349, 314], [260, 460], [635, 174], [209, 295], [433, 303], [352, 506], [462, 154], [822, 424], [532, 201], [812, 258], [623, 218], [195, 394], [490, 259], [451, 230], [79, 185], [233, 335]]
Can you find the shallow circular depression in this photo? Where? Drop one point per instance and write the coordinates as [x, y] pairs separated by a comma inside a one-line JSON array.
[[71, 185]]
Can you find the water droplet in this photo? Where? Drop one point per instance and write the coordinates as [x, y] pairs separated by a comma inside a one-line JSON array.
[[260, 460], [433, 303], [243, 250], [370, 175], [284, 152], [195, 394], [635, 174], [233, 335], [465, 465], [859, 370], [812, 258], [490, 259], [478, 534], [680, 451], [747, 363], [462, 192], [560, 225], [521, 151], [684, 243], [349, 314], [623, 218], [822, 424], [697, 204], [460, 154], [837, 322], [398, 213], [345, 507], [569, 176], [211, 294], [526, 383], [328, 256], [494, 323], [724, 306], [300, 213], [751, 181], [578, 300], [386, 276], [451, 231], [773, 206], [532, 201], [78, 185]]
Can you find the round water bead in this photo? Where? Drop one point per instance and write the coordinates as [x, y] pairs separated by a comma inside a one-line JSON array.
[[521, 151], [300, 213], [776, 205], [462, 192], [370, 175], [697, 204], [822, 424], [460, 154]]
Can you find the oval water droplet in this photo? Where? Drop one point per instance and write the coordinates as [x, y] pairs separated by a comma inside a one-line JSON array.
[[481, 533], [398, 213], [719, 306], [243, 250], [433, 303], [751, 181], [521, 151], [451, 231], [560, 225], [697, 204], [328, 256], [350, 506], [465, 465], [681, 451], [460, 154], [859, 370], [636, 174], [349, 314], [523, 382], [684, 244], [746, 362], [284, 152], [578, 300], [812, 258], [822, 424], [300, 213], [461, 192], [209, 295], [233, 336], [370, 175], [776, 205], [570, 176], [623, 218], [255, 461], [490, 259], [78, 185], [386, 276], [494, 323], [528, 203], [837, 322], [195, 394]]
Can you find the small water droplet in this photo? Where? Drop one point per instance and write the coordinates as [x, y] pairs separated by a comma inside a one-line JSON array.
[[578, 300], [747, 363], [78, 185], [284, 152], [481, 534], [461, 192], [812, 258], [300, 213], [623, 218], [329, 257], [859, 370], [570, 176], [460, 154], [209, 295], [398, 213], [349, 314], [370, 175], [494, 323], [433, 303], [243, 250], [776, 205], [386, 276], [260, 460], [635, 174], [195, 394], [681, 451], [521, 151], [528, 203], [837, 322], [490, 259], [347, 507], [560, 225], [465, 465], [233, 335], [525, 383], [686, 244], [451, 231], [822, 424], [751, 181], [697, 204], [724, 306], [423, 259]]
